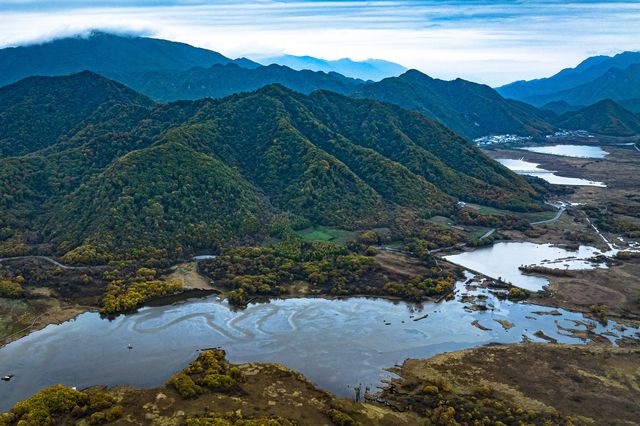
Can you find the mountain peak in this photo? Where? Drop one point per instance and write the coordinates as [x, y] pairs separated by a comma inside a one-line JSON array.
[[605, 117], [106, 53], [568, 84]]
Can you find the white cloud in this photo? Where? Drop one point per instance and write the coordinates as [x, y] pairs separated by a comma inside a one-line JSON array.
[[487, 41]]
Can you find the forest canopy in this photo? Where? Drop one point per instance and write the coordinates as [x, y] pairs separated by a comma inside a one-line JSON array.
[[113, 175]]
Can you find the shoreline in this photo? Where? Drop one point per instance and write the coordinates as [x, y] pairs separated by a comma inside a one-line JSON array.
[[74, 311]]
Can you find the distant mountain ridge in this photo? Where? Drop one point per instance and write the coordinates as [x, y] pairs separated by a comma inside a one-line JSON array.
[[129, 177], [370, 69], [221, 80], [104, 53], [167, 71], [565, 84], [616, 84]]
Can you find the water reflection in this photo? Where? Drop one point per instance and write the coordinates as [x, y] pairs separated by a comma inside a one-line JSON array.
[[532, 169], [335, 343], [576, 151], [502, 260]]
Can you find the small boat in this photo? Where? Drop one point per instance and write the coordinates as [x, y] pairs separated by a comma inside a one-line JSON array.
[[130, 346], [7, 377]]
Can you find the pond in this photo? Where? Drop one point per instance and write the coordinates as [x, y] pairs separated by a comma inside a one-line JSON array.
[[336, 343], [502, 260], [576, 151], [532, 169]]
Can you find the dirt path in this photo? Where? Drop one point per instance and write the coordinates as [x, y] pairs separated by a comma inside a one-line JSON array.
[[400, 264]]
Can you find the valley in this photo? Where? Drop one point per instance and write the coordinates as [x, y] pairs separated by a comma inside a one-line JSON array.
[[190, 239], [594, 302]]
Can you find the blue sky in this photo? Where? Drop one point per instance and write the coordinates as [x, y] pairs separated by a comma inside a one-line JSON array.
[[493, 42]]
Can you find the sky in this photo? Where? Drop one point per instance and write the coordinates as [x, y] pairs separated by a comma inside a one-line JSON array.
[[492, 42]]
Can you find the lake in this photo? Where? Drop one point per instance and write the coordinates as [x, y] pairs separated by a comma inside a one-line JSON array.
[[532, 169], [335, 343], [511, 255], [576, 151]]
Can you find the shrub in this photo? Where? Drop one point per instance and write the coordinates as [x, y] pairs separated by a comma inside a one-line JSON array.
[[122, 297], [600, 311], [40, 408], [100, 400], [431, 390], [516, 293], [338, 418], [10, 289], [185, 385], [217, 381], [234, 419], [107, 416]]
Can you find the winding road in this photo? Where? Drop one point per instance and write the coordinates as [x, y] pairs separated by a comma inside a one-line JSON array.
[[553, 219], [50, 260]]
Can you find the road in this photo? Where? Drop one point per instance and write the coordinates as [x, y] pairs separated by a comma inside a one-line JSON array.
[[50, 260], [488, 233], [553, 219]]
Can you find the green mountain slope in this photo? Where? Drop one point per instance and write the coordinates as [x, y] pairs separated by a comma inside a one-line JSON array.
[[605, 118], [104, 53], [27, 125], [222, 80], [167, 196], [471, 109], [167, 180], [632, 105]]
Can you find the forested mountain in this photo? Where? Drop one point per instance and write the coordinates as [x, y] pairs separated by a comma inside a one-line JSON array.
[[616, 84], [27, 126], [222, 80], [103, 53], [470, 109], [632, 105], [559, 107], [370, 69], [535, 91], [605, 117], [166, 71], [164, 180]]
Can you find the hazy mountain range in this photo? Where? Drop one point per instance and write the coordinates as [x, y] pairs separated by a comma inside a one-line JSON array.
[[370, 69], [167, 71], [595, 79]]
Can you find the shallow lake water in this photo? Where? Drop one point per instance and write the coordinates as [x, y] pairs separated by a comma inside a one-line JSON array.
[[576, 151], [532, 169], [335, 343], [502, 260]]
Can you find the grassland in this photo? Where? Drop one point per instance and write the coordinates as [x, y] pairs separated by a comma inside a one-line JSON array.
[[583, 385], [322, 233]]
